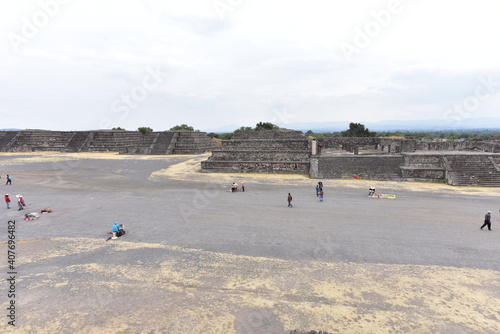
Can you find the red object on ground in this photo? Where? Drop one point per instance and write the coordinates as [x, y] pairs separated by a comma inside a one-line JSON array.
[[356, 177]]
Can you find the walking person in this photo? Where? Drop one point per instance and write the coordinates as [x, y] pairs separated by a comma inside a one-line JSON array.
[[7, 200], [321, 195], [19, 203], [242, 187], [21, 199], [317, 190], [487, 221], [289, 199], [9, 180]]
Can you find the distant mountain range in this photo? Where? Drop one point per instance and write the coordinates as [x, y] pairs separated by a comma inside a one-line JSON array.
[[485, 123], [413, 125]]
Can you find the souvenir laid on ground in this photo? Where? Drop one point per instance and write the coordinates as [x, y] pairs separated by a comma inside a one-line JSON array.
[[31, 216], [46, 210], [389, 196]]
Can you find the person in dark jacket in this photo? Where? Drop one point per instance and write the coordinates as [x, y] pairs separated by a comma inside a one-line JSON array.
[[487, 221], [289, 199]]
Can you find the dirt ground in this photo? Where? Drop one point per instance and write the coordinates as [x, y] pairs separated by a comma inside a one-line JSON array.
[[199, 259]]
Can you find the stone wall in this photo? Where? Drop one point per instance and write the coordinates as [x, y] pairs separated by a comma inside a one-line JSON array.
[[192, 142], [268, 134], [388, 145], [397, 145], [265, 151], [458, 145], [423, 167], [372, 167], [347, 144], [265, 144], [273, 167]]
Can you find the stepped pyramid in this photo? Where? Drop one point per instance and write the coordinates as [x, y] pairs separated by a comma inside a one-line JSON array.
[[263, 151], [121, 141]]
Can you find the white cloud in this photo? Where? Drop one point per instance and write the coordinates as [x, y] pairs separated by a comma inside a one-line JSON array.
[[261, 58]]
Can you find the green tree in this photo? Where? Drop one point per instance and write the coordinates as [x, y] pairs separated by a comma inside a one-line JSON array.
[[244, 128], [226, 136], [266, 126], [145, 130], [182, 127], [358, 130]]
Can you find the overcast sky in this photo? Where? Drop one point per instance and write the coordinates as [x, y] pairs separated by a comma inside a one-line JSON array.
[[87, 64]]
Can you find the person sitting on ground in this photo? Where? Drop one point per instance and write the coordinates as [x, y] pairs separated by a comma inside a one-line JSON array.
[[371, 191], [116, 230]]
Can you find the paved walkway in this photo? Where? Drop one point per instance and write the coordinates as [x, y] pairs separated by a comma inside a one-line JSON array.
[[198, 258]]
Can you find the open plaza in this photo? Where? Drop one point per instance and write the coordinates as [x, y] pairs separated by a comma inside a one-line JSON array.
[[198, 258]]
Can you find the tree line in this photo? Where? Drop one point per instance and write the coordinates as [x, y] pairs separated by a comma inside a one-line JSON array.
[[355, 130]]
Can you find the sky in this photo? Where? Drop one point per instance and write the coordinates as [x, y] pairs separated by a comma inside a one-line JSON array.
[[222, 64]]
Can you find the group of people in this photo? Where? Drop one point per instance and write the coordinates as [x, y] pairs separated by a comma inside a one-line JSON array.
[[20, 201], [319, 191], [234, 187], [319, 194]]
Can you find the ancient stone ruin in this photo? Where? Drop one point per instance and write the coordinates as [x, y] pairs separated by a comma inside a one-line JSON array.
[[124, 142], [264, 151], [474, 163], [287, 151]]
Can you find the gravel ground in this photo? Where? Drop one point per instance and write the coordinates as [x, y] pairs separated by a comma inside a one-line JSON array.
[[199, 259]]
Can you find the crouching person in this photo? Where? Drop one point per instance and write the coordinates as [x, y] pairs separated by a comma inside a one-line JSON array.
[[117, 230]]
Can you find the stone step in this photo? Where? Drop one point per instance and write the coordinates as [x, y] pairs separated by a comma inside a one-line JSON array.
[[296, 167]]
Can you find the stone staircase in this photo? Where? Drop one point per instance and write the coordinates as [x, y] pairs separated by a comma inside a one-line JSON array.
[[40, 140], [78, 141], [6, 139], [162, 143], [192, 142], [473, 170], [124, 142], [271, 151]]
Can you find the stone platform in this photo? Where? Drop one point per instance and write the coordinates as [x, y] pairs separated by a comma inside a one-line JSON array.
[[124, 142], [273, 151]]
